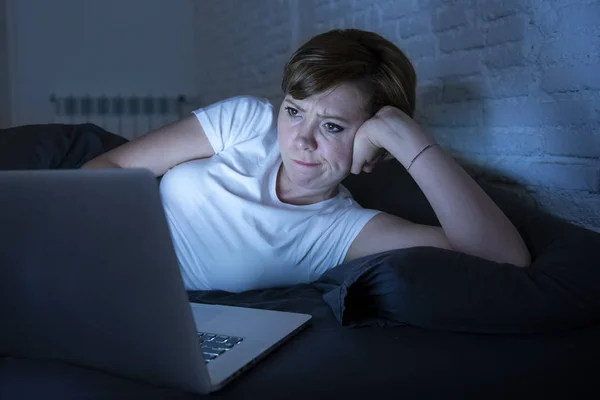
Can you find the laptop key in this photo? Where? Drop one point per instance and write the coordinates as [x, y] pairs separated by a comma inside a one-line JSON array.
[[219, 345], [213, 350], [209, 356], [216, 346]]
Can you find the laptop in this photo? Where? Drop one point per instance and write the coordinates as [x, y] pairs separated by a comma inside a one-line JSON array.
[[89, 277]]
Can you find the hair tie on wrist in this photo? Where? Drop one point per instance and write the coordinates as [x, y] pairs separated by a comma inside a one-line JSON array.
[[419, 153]]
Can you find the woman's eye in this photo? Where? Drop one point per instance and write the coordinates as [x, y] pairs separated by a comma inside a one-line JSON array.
[[291, 111], [333, 128]]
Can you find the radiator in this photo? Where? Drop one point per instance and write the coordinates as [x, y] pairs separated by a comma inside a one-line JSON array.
[[129, 117]]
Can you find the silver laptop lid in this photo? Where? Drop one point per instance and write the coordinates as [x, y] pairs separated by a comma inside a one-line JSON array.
[[88, 275]]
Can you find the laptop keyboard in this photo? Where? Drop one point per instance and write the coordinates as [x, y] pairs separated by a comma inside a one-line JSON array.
[[214, 345]]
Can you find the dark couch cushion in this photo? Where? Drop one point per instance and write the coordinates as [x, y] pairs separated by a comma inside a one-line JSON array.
[[440, 289], [54, 146]]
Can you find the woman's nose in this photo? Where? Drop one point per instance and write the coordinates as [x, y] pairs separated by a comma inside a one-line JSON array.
[[305, 139]]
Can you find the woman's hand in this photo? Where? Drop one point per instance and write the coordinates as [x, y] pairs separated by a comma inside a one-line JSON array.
[[367, 152], [375, 137]]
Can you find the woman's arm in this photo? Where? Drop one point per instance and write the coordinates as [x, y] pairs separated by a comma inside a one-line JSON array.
[[160, 149], [471, 221]]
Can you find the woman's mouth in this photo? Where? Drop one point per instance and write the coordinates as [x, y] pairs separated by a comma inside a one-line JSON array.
[[304, 164]]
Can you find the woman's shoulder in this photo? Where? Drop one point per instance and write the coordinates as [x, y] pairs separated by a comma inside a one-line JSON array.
[[237, 119], [244, 108], [241, 104]]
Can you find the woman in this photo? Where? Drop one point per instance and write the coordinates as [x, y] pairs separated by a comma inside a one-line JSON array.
[[255, 201]]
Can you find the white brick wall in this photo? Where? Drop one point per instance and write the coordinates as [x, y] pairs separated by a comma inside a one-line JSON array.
[[511, 85]]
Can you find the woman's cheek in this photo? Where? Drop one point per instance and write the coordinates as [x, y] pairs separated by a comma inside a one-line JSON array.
[[343, 157]]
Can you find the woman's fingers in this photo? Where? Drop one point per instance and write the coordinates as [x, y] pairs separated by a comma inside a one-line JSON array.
[[369, 166]]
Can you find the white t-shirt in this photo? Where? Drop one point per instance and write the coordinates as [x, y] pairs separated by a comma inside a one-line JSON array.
[[230, 230]]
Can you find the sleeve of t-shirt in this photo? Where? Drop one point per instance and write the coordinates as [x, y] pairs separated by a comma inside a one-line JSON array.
[[340, 234], [235, 120], [355, 220]]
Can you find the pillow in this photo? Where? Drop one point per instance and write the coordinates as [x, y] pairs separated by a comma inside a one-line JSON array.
[[54, 146], [441, 289]]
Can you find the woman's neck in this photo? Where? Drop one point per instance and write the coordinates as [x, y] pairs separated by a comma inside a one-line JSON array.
[[289, 193]]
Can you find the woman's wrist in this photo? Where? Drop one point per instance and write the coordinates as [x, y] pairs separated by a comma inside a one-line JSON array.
[[408, 148], [419, 154]]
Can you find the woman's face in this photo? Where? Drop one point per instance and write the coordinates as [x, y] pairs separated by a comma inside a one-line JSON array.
[[316, 136]]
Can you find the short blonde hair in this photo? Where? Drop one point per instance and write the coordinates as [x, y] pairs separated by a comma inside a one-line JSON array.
[[352, 55]]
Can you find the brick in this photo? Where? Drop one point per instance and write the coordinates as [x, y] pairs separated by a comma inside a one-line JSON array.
[[573, 141], [579, 17], [428, 94], [463, 39], [535, 113], [393, 10], [508, 83], [421, 117], [456, 140], [419, 47], [454, 114], [413, 25], [448, 65], [514, 141], [369, 19], [568, 78], [508, 29], [495, 9], [426, 69], [491, 141], [570, 48], [448, 18], [462, 89], [504, 56], [463, 64]]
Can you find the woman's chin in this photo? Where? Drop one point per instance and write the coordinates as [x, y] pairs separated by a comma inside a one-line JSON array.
[[308, 179]]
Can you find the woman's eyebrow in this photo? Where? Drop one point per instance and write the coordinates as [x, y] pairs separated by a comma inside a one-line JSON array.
[[342, 119]]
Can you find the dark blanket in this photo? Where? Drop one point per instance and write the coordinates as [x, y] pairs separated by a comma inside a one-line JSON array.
[[327, 361], [330, 361], [54, 146]]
